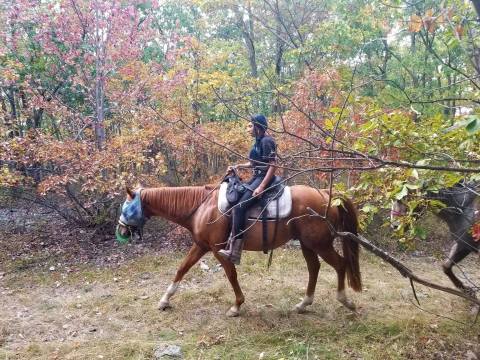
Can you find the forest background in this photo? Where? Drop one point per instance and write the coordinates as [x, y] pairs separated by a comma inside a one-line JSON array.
[[378, 98]]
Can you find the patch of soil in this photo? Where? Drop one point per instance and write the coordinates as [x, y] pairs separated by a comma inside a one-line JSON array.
[[31, 237]]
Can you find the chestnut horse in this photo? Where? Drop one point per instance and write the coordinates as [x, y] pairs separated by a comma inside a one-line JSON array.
[[195, 208]]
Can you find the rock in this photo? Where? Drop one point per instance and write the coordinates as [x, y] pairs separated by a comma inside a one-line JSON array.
[[217, 267], [470, 355], [145, 276], [168, 352], [294, 243], [204, 266]]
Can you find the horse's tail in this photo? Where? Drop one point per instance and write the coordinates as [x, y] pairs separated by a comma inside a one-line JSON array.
[[349, 222]]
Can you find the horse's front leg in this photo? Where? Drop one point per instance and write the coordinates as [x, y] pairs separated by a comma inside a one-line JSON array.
[[191, 259], [231, 273]]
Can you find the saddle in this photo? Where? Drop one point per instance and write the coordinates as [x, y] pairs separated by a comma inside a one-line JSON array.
[[275, 203], [278, 198]]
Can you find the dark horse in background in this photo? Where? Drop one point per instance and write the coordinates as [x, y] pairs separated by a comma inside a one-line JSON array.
[[195, 208], [461, 212]]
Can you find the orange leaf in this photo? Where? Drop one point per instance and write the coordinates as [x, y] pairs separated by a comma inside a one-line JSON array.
[[459, 30], [415, 23]]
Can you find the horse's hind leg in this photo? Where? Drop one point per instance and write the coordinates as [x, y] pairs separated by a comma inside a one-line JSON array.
[[457, 254], [313, 265], [332, 258], [231, 273], [191, 259]]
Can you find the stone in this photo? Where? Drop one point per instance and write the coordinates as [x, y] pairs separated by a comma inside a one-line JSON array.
[[168, 352], [470, 355], [145, 276]]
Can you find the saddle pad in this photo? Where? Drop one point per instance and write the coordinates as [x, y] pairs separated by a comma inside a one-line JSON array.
[[284, 203]]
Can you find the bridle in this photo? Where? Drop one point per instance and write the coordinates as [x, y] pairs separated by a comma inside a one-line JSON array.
[[132, 229]]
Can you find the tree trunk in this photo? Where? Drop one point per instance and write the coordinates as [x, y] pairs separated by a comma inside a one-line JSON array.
[[476, 5], [99, 88], [385, 59], [248, 37], [279, 43]]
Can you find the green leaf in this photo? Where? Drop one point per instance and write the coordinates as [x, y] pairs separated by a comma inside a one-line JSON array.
[[412, 186], [422, 162], [369, 208], [436, 204], [337, 202], [420, 232], [402, 193], [473, 126]]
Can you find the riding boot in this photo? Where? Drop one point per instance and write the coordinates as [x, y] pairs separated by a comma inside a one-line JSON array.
[[234, 251]]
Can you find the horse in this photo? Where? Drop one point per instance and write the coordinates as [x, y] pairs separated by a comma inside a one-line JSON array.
[[461, 211], [195, 208]]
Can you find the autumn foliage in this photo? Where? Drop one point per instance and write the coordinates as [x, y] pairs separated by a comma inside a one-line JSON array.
[[99, 94]]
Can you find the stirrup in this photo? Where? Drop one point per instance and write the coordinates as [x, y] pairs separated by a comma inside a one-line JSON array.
[[234, 251]]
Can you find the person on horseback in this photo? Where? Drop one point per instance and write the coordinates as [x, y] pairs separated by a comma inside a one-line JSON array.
[[262, 158]]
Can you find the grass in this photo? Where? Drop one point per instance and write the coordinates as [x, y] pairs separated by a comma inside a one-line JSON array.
[[111, 313]]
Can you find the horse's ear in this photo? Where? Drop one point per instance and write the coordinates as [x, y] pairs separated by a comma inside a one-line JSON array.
[[130, 193]]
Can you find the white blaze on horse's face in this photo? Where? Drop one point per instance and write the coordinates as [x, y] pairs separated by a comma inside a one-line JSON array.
[[398, 210]]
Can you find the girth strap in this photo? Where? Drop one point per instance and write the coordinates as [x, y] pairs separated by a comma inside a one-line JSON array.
[[264, 204]]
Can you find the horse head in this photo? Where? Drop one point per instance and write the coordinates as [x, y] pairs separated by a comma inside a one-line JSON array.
[[132, 217]]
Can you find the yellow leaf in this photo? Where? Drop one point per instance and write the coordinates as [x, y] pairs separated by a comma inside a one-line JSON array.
[[415, 23]]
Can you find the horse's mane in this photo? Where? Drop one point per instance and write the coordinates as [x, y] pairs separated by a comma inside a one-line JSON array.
[[176, 201]]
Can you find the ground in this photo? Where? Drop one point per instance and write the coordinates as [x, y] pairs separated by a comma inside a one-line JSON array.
[[71, 295]]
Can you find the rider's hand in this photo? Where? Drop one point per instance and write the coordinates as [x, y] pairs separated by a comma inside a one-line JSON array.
[[230, 169], [258, 191]]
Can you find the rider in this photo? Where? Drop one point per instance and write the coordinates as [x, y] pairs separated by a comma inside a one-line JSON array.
[[262, 159]]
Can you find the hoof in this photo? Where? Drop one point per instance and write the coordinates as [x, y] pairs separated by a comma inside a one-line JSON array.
[[475, 310], [470, 292], [300, 309], [232, 312], [163, 305]]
